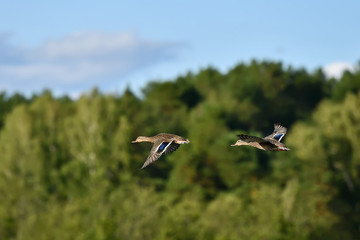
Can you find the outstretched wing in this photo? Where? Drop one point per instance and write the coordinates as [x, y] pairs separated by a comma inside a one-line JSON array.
[[172, 147], [279, 132], [157, 150]]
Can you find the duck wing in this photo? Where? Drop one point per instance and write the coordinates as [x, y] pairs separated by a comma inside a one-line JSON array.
[[278, 134], [172, 147], [159, 147]]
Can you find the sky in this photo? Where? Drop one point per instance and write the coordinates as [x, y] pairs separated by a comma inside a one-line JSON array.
[[71, 47]]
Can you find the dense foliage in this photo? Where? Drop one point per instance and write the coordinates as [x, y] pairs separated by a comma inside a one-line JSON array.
[[69, 171]]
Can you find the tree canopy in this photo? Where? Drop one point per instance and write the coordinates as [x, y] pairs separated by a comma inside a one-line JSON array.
[[68, 169]]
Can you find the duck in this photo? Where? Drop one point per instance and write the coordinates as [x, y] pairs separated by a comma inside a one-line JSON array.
[[268, 143], [163, 143]]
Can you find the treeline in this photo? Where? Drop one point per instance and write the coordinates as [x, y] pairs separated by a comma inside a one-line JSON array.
[[68, 169]]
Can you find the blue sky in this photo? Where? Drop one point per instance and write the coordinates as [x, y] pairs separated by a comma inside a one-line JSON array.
[[72, 46]]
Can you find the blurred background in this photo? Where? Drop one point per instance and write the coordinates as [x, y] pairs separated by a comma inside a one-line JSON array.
[[80, 80]]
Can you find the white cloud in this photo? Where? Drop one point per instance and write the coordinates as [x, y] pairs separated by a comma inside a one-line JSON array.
[[79, 61], [336, 69]]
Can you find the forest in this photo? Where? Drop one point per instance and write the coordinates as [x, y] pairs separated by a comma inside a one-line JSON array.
[[68, 169]]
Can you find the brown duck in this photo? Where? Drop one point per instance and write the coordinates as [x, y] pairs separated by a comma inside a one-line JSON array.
[[268, 143], [163, 143]]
